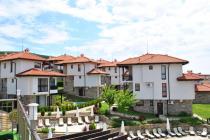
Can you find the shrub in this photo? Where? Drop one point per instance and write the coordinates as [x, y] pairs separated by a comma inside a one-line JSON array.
[[183, 114], [42, 112], [92, 126], [49, 114], [141, 117], [155, 121], [63, 112], [45, 130], [191, 121]]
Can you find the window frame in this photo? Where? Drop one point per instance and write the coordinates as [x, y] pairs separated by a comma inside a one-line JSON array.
[[79, 68], [115, 69], [150, 67], [163, 72], [164, 90], [37, 65], [43, 86], [137, 86]]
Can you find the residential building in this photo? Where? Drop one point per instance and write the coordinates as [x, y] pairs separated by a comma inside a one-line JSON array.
[[51, 61], [21, 73], [83, 77], [115, 72], [158, 83], [202, 95]]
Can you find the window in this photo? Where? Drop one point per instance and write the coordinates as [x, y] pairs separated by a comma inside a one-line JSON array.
[[37, 65], [80, 77], [11, 66], [115, 69], [53, 84], [42, 84], [109, 68], [164, 90], [72, 66], [150, 67], [163, 72], [5, 65], [137, 87], [79, 67], [12, 80], [115, 77], [151, 103], [140, 103]]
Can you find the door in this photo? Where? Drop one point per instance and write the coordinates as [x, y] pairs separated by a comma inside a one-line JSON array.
[[160, 108], [81, 92]]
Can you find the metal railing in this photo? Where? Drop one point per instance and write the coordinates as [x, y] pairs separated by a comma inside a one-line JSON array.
[[26, 132]]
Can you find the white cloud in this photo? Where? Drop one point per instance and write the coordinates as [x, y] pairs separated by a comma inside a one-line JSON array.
[[51, 36]]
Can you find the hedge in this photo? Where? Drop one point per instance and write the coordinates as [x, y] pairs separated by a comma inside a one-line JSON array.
[[68, 107]]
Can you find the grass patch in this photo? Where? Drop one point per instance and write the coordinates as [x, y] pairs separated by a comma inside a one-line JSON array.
[[116, 122], [203, 110], [132, 112], [188, 120]]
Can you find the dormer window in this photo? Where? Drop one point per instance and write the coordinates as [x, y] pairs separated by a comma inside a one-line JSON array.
[[150, 67]]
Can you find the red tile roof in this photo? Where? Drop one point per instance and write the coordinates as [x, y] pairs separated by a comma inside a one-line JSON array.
[[102, 61], [189, 76], [108, 64], [22, 55], [96, 71], [153, 59], [205, 87], [80, 59], [38, 72], [61, 58]]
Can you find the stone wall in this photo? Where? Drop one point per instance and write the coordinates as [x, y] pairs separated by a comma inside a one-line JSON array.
[[180, 106], [202, 98], [69, 84], [146, 108], [173, 109]]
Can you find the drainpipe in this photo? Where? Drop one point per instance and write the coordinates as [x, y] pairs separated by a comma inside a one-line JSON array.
[[15, 77], [169, 96], [84, 79]]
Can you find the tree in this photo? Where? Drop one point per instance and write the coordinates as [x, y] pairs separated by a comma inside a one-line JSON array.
[[108, 95], [124, 99]]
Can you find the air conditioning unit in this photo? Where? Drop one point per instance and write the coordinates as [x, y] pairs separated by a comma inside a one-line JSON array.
[[171, 102], [149, 84]]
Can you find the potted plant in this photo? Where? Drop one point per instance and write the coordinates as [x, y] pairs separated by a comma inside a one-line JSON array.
[[42, 112]]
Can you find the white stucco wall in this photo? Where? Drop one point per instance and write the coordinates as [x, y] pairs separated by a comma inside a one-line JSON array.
[[178, 90], [91, 81], [88, 67], [116, 77]]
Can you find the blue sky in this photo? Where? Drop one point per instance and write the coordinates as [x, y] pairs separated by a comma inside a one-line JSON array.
[[109, 29]]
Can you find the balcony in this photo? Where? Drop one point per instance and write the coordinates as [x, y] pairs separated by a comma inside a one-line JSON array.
[[53, 89], [127, 77]]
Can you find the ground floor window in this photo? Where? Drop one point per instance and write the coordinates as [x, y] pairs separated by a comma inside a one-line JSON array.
[[151, 103]]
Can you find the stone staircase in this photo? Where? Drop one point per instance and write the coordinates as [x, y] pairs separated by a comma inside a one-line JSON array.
[[5, 123]]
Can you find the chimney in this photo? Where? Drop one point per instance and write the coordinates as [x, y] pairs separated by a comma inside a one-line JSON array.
[[115, 60], [26, 50], [82, 55], [189, 71]]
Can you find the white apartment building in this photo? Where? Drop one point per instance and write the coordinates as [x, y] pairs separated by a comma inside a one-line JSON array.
[[21, 73], [83, 77], [158, 83], [115, 72]]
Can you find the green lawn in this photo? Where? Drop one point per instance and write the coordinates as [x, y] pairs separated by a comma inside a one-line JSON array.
[[105, 107], [73, 98], [203, 110]]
